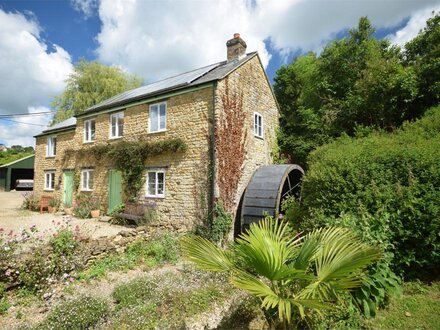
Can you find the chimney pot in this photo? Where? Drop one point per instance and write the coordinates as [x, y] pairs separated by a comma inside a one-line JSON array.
[[236, 48]]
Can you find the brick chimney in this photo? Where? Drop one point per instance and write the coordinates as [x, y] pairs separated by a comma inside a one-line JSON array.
[[236, 47]]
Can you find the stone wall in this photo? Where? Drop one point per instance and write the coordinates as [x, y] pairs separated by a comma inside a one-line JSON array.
[[43, 163], [250, 79], [187, 118]]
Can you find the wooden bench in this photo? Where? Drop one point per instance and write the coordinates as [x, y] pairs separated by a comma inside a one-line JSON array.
[[44, 203], [133, 212]]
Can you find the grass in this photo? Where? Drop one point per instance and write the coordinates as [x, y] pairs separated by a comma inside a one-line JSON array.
[[417, 308], [161, 249]]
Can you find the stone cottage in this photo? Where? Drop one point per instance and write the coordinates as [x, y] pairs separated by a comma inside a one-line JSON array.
[[225, 114]]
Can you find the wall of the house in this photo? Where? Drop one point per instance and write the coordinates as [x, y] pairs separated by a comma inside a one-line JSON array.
[[250, 80], [43, 163], [187, 118]]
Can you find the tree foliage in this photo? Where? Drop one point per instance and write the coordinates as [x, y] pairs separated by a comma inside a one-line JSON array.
[[356, 83], [385, 186], [89, 84]]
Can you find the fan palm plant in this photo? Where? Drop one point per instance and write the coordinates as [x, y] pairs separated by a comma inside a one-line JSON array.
[[292, 275]]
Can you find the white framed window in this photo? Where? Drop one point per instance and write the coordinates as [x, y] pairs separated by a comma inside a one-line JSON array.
[[51, 147], [87, 180], [155, 183], [116, 125], [258, 125], [89, 130], [49, 180], [158, 117]]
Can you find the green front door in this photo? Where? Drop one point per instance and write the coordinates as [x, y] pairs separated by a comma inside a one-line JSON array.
[[68, 189], [114, 189]]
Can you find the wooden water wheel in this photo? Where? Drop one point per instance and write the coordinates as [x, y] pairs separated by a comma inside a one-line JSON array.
[[264, 194]]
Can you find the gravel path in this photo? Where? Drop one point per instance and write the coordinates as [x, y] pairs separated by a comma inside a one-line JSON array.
[[13, 218]]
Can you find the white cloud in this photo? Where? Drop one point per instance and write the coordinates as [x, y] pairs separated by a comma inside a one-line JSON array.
[[416, 23], [87, 7], [20, 130], [31, 74], [156, 39], [159, 39]]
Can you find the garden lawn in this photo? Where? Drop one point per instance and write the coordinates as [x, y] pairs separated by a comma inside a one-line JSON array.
[[417, 308]]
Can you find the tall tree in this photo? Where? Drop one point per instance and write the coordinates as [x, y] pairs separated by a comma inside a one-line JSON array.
[[89, 84], [423, 53], [356, 81]]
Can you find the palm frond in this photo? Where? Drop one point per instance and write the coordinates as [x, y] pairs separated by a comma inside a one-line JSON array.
[[205, 254], [267, 249]]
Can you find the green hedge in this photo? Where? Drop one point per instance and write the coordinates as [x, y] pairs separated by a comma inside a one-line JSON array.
[[386, 186]]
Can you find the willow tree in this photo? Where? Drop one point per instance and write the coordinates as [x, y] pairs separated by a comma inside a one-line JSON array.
[[89, 84]]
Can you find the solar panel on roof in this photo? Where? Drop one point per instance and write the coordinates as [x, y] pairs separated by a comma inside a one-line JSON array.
[[182, 79]]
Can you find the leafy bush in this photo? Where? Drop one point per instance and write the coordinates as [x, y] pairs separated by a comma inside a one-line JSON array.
[[83, 206], [80, 313], [385, 187], [219, 226], [4, 304]]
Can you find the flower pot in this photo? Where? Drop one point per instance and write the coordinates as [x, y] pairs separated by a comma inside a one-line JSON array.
[[68, 210], [95, 213]]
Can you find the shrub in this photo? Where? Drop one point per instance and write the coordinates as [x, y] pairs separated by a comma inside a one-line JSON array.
[[83, 206], [219, 227], [79, 313], [385, 187]]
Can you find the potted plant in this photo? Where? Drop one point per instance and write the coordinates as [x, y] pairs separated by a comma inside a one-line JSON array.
[[95, 208], [54, 203]]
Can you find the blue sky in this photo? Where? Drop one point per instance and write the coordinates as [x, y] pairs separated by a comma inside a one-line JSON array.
[[41, 40]]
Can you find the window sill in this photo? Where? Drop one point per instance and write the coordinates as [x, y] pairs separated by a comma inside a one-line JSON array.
[[88, 142], [49, 157], [49, 190], [154, 197], [86, 191], [259, 137], [156, 132]]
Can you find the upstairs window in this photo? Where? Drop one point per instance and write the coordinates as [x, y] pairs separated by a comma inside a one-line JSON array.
[[49, 180], [155, 185], [87, 180], [51, 148], [158, 117], [116, 125], [258, 125], [89, 130]]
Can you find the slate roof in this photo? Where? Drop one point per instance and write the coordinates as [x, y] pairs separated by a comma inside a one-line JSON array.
[[192, 78], [62, 126]]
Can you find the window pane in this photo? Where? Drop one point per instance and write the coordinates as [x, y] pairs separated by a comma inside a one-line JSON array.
[[52, 180], [92, 130], [54, 143], [90, 185], [151, 183], [154, 119], [121, 126], [84, 180], [162, 116], [160, 183]]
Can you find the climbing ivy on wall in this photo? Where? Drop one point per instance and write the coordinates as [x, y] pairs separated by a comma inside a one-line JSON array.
[[128, 157], [230, 137]]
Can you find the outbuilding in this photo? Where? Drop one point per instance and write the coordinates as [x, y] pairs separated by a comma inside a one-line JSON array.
[[22, 168]]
